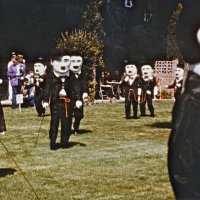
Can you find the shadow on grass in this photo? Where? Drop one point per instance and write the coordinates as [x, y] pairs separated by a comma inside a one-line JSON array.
[[71, 144], [6, 171], [161, 125], [45, 115], [84, 131]]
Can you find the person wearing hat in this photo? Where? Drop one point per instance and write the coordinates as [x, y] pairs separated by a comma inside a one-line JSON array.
[[40, 77], [132, 87], [78, 91], [56, 95], [148, 82]]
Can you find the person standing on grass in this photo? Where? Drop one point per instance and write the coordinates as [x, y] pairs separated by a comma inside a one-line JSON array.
[[13, 57], [78, 91], [148, 82], [40, 77], [16, 72], [56, 94], [131, 83], [2, 119]]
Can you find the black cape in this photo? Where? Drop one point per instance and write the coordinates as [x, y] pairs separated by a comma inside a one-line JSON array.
[[184, 142]]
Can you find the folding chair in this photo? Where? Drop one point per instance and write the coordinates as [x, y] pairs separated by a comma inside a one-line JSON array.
[[103, 92]]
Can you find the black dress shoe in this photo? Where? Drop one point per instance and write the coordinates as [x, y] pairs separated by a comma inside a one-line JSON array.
[[64, 146], [152, 115], [41, 115], [143, 115], [54, 146], [76, 131]]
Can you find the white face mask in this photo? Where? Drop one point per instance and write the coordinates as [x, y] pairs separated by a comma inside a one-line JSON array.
[[131, 70], [39, 69], [147, 70], [76, 64], [61, 66], [179, 72]]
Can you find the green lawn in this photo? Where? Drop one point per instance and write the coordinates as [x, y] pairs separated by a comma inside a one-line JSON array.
[[113, 159]]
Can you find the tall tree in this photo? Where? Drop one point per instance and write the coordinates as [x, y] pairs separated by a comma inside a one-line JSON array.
[[93, 23], [92, 18], [173, 52], [87, 43]]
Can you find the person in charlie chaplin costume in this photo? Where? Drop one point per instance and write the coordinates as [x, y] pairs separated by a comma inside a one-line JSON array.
[[40, 77], [131, 83], [56, 94], [148, 82], [184, 140], [78, 91], [178, 82]]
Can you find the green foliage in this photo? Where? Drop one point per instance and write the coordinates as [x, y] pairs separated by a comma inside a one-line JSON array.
[[92, 90], [93, 19], [166, 94], [173, 51], [89, 47], [87, 43]]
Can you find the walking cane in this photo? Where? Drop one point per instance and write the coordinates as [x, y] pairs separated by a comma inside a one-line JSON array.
[[39, 130], [14, 161]]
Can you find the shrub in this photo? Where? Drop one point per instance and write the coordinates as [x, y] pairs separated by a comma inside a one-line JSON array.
[[166, 94]]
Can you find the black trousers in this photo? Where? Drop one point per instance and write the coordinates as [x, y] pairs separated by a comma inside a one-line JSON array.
[[38, 104], [149, 105], [77, 114], [128, 103], [58, 114]]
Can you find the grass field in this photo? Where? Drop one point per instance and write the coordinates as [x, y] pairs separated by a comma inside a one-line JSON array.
[[113, 159]]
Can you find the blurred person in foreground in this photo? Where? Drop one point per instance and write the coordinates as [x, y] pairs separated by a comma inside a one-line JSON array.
[[184, 141]]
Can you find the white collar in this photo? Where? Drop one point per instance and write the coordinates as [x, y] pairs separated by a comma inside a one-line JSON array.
[[179, 79], [58, 75], [77, 73], [133, 76]]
